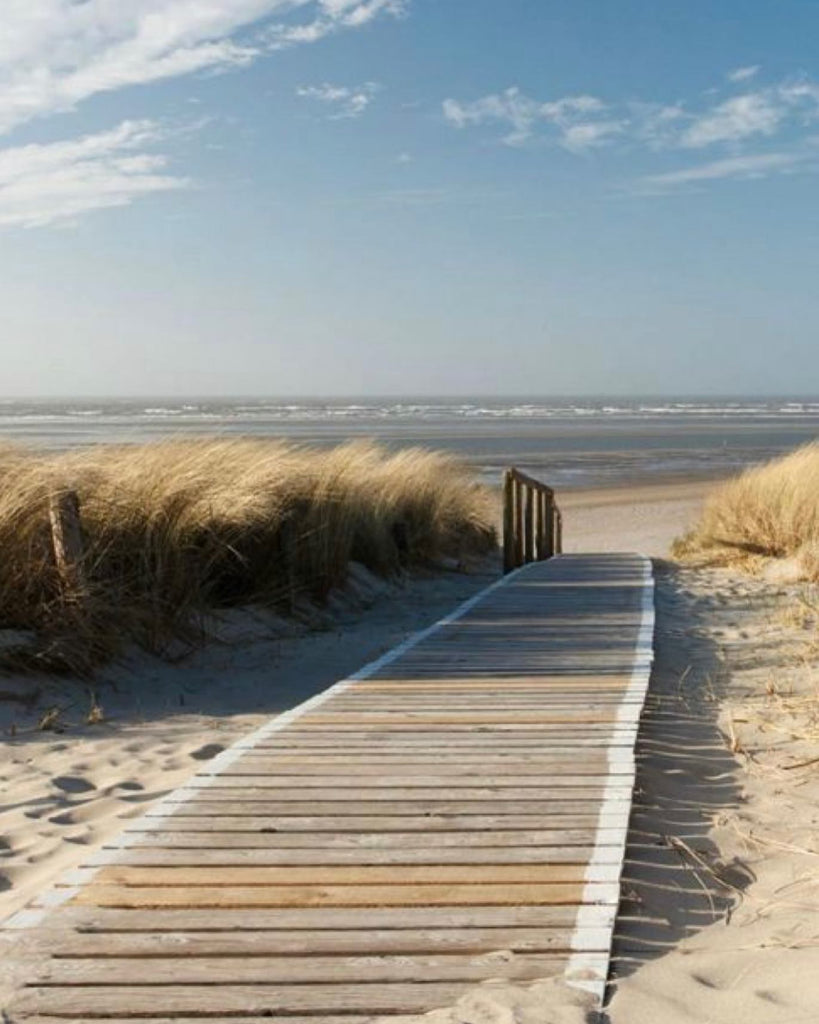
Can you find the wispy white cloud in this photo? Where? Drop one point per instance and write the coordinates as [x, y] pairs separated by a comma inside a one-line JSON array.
[[585, 121], [743, 74], [760, 165], [521, 115], [585, 135], [56, 182], [56, 53], [736, 119], [342, 100], [330, 16]]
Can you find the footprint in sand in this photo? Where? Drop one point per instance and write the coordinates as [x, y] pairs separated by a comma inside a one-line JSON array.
[[206, 752], [72, 784]]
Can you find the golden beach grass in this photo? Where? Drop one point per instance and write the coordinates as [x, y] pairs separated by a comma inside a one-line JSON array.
[[175, 528], [769, 511]]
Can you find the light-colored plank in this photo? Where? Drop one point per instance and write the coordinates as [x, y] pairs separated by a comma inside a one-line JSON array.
[[428, 855], [249, 919], [451, 894], [396, 941], [560, 802], [242, 797], [95, 1001], [560, 838], [433, 720], [423, 822], [378, 779], [340, 875], [299, 970]]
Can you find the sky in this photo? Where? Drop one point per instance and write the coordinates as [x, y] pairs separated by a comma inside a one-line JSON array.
[[376, 197]]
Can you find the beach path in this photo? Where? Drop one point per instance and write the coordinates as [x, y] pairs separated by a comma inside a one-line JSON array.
[[454, 813]]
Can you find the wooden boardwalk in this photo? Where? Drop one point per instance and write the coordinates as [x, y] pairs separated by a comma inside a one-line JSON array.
[[455, 812]]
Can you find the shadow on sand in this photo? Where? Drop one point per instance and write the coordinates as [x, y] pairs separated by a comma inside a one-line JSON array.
[[674, 883]]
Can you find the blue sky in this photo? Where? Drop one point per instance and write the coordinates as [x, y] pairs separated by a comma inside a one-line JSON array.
[[409, 196]]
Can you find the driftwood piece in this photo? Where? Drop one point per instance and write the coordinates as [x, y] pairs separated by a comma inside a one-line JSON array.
[[67, 542]]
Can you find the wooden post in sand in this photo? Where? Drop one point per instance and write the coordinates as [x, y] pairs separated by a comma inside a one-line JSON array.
[[67, 542], [529, 527], [508, 521], [518, 523], [531, 521]]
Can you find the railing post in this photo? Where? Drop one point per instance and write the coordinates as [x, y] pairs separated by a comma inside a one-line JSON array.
[[532, 526], [538, 525], [550, 526], [518, 523], [529, 526], [508, 521]]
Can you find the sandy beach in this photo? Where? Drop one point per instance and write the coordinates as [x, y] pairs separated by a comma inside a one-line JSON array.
[[719, 888]]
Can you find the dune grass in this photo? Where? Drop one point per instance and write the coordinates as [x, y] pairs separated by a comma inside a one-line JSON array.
[[768, 512], [176, 528]]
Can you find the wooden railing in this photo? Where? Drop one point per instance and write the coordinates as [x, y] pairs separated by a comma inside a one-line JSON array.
[[532, 523]]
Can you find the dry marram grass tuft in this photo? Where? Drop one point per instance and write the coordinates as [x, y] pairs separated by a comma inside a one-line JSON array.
[[174, 528], [769, 511]]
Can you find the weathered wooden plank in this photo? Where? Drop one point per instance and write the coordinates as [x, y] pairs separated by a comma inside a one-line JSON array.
[[296, 970], [256, 781], [432, 720], [421, 821], [423, 874], [488, 681], [106, 920], [96, 1001], [241, 796], [410, 842], [236, 857], [431, 895], [360, 941], [447, 765], [559, 803]]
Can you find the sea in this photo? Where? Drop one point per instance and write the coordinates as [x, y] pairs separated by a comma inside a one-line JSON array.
[[568, 442]]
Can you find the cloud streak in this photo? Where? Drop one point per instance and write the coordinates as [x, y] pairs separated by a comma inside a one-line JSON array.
[[521, 115], [56, 182], [782, 114], [754, 166], [743, 74], [344, 102], [56, 53]]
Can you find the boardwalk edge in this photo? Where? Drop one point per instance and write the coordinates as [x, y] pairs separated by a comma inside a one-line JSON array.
[[592, 917]]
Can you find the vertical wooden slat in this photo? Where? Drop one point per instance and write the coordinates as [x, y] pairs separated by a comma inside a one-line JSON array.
[[518, 522], [550, 526], [529, 525], [508, 521], [538, 525]]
